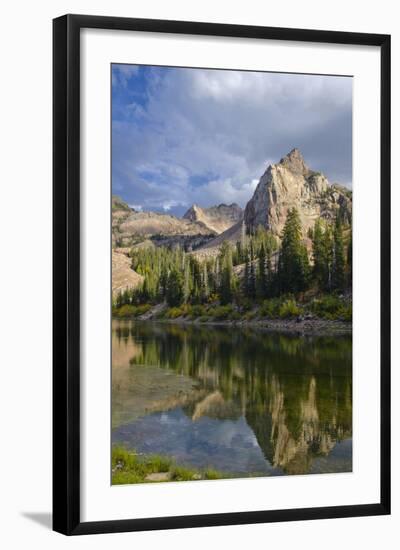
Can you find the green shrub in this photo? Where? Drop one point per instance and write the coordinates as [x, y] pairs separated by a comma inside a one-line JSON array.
[[346, 313], [213, 298], [125, 311], [174, 313], [332, 307], [221, 312], [343, 313], [197, 311], [180, 473], [123, 457], [270, 308], [157, 463], [212, 474], [128, 310], [143, 308], [250, 315], [289, 309], [246, 304]]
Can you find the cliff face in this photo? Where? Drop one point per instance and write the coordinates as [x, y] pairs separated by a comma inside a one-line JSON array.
[[216, 218], [123, 276], [290, 183]]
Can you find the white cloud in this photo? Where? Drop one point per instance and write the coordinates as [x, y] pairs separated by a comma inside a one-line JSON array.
[[122, 73], [223, 128]]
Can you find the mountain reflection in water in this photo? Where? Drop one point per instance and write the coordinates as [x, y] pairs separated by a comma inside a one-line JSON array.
[[240, 400]]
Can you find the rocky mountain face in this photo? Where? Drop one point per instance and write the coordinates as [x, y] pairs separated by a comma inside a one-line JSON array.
[[290, 183], [120, 210], [123, 276], [212, 246], [284, 185], [216, 218], [130, 227]]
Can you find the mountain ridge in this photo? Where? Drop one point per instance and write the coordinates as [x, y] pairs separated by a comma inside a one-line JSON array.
[[217, 218], [287, 184], [133, 226]]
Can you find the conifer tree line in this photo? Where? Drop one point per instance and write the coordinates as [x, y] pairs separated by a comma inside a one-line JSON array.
[[266, 269]]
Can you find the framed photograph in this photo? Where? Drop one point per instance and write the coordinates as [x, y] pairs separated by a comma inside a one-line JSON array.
[[221, 305]]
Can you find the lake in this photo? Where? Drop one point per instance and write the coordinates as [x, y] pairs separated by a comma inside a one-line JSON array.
[[243, 401]]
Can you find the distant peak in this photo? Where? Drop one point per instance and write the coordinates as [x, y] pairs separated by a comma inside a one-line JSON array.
[[294, 161], [192, 212], [293, 155]]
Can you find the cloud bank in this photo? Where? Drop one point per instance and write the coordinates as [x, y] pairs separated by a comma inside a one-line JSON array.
[[184, 136]]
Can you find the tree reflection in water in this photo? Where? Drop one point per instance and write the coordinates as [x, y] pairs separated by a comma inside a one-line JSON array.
[[294, 392]]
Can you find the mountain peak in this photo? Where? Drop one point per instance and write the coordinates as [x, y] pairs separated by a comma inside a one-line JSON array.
[[290, 183], [217, 218], [191, 213], [294, 161]]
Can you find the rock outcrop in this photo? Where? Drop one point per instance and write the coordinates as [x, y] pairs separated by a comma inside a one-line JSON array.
[[216, 218], [123, 276], [290, 183]]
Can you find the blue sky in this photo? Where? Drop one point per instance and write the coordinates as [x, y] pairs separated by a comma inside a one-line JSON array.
[[182, 136]]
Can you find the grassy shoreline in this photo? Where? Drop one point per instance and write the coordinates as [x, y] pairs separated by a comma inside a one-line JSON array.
[[312, 327], [130, 467], [323, 315]]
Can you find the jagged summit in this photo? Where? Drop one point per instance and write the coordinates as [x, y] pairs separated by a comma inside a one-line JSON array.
[[294, 161]]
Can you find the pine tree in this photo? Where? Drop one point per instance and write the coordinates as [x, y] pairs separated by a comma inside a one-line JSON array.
[[225, 292], [118, 299], [145, 293], [252, 282], [270, 287], [197, 275], [163, 282], [243, 239], [174, 293], [125, 297], [246, 277], [186, 282], [238, 258], [249, 278], [261, 274], [205, 285], [320, 268], [217, 273], [226, 286], [252, 273], [350, 262], [338, 263], [293, 265]]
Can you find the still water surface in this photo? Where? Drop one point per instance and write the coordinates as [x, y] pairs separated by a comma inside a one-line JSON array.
[[240, 400]]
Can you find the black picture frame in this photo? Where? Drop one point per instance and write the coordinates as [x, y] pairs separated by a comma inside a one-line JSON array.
[[66, 273]]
